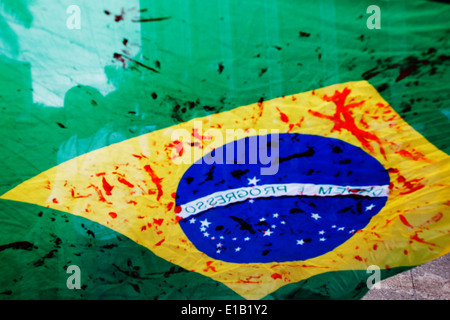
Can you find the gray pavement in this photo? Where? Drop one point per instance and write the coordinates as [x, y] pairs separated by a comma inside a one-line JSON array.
[[430, 281]]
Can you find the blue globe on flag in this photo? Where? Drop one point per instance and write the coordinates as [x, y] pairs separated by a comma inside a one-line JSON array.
[[323, 192]]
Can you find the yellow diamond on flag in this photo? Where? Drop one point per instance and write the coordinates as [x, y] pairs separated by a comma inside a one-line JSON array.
[[233, 226]]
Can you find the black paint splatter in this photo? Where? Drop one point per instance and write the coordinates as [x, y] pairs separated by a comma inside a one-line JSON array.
[[19, 245], [345, 161], [244, 225], [220, 68], [41, 261], [427, 62], [7, 292], [302, 34], [238, 173], [309, 153], [262, 71], [336, 149]]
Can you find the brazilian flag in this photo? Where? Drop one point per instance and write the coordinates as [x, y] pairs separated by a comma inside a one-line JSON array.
[[220, 149]]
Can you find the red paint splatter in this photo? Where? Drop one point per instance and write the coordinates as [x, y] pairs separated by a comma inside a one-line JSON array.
[[364, 123], [410, 154], [343, 119], [173, 195], [372, 232], [139, 156], [415, 155], [113, 215], [312, 266], [160, 242], [55, 200], [209, 266], [405, 222], [158, 221], [198, 136], [78, 196], [156, 180], [416, 238], [261, 106], [100, 174], [358, 258], [179, 148], [177, 209], [298, 124], [392, 170], [405, 252], [375, 247], [437, 217], [283, 116], [249, 279], [143, 228], [411, 185], [388, 221], [125, 182], [169, 206], [276, 276], [107, 187]]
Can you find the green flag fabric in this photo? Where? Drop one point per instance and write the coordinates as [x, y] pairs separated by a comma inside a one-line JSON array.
[[79, 76]]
